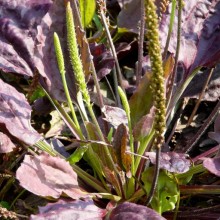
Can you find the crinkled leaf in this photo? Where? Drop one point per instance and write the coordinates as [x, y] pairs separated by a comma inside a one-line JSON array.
[[45, 59], [15, 114], [87, 10], [216, 134], [26, 40], [115, 116], [199, 34], [18, 29], [143, 94], [69, 210], [48, 176], [166, 194], [6, 145], [133, 211], [171, 161], [144, 126], [212, 165], [120, 147]]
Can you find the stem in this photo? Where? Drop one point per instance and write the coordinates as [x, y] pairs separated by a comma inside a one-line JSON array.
[[203, 128], [200, 97], [193, 170], [131, 184], [140, 44], [155, 179], [204, 189], [69, 122], [142, 149], [172, 17], [173, 75]]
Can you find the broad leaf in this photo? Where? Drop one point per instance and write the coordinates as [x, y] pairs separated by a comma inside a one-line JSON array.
[[15, 114], [142, 95], [120, 147], [26, 40], [115, 116], [69, 210], [166, 193], [144, 125], [129, 16], [48, 176], [199, 34], [18, 30], [133, 211], [87, 10]]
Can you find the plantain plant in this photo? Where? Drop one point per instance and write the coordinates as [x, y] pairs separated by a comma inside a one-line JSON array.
[[117, 154], [121, 156]]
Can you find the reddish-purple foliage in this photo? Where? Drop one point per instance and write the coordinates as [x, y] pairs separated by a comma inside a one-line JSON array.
[[45, 175], [171, 161], [212, 165], [69, 210], [15, 114], [115, 116], [103, 60], [133, 211]]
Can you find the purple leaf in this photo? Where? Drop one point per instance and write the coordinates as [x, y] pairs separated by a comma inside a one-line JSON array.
[[69, 210], [114, 115], [6, 144], [133, 211], [145, 124], [26, 41], [212, 165], [18, 29], [129, 16], [15, 114], [138, 110], [103, 60], [171, 161], [199, 34], [45, 176]]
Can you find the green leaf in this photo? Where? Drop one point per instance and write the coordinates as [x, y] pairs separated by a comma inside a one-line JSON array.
[[142, 100], [87, 10], [5, 204], [166, 193], [77, 155], [38, 93]]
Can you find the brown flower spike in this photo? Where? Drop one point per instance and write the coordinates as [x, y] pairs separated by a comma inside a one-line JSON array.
[[157, 70]]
